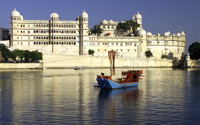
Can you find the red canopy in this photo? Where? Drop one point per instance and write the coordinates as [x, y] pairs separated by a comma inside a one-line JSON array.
[[108, 34]]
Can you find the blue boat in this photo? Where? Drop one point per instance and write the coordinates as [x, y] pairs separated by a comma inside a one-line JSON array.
[[129, 78]]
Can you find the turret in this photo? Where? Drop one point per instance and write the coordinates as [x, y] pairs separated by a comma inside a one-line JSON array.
[[54, 17], [138, 19], [83, 24], [15, 18], [142, 43]]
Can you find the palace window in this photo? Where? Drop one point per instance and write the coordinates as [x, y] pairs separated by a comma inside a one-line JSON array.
[[112, 27], [108, 27]]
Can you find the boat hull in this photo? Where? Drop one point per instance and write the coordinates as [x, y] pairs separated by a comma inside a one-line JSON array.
[[110, 84]]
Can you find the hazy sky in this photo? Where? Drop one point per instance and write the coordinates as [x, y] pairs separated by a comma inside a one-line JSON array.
[[158, 16]]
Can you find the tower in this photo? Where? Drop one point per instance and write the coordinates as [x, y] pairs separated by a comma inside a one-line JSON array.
[[142, 43], [83, 31], [54, 18], [14, 26], [138, 19]]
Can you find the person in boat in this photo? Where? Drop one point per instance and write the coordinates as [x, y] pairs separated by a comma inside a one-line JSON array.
[[102, 74]]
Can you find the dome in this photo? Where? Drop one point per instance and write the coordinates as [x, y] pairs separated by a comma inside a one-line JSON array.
[[149, 34], [167, 33], [15, 13], [182, 33], [133, 18], [138, 15], [178, 34], [104, 22], [54, 15], [111, 22], [84, 14], [21, 17], [141, 32]]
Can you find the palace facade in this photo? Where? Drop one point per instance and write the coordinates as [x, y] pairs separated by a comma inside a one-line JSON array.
[[74, 38]]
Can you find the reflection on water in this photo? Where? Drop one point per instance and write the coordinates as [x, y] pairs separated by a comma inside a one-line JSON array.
[[67, 96]]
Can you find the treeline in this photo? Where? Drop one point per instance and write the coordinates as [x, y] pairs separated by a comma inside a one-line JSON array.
[[19, 55]]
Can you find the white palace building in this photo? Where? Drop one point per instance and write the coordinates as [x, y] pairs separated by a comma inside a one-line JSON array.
[[74, 38]]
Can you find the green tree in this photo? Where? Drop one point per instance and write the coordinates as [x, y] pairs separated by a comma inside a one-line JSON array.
[[13, 56], [27, 56], [164, 56], [97, 30], [39, 56], [124, 27], [19, 53], [34, 56], [5, 53], [90, 52], [128, 25], [194, 50], [148, 54]]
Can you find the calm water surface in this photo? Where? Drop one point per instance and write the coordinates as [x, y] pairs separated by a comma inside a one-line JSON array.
[[66, 96]]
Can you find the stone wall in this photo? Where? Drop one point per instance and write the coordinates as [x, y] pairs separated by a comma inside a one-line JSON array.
[[64, 61], [194, 64], [20, 65], [103, 62]]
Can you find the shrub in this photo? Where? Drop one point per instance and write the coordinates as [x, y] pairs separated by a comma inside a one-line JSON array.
[[164, 56]]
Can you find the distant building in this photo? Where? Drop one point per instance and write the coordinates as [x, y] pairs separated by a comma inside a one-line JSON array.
[[71, 37], [4, 34]]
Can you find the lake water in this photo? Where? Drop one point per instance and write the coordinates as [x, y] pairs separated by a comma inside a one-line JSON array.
[[67, 96]]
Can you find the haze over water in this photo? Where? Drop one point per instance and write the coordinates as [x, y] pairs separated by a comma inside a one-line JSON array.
[[66, 96]]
